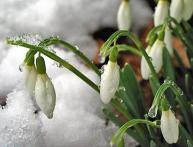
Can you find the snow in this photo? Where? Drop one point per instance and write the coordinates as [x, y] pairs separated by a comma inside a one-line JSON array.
[[73, 20], [78, 120], [19, 126]]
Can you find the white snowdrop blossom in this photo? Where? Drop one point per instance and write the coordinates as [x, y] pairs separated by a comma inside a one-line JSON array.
[[161, 12], [124, 15], [44, 90], [168, 41], [145, 71], [45, 94], [30, 74], [188, 9], [169, 126], [155, 54], [109, 82], [177, 9]]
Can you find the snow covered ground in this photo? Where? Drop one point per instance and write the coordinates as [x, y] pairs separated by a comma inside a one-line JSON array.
[[73, 20], [77, 122]]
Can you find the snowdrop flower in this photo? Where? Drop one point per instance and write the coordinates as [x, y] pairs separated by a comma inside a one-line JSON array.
[[177, 9], [188, 9], [109, 79], [124, 15], [169, 126], [168, 41], [155, 53], [145, 71], [30, 74], [161, 12], [44, 90]]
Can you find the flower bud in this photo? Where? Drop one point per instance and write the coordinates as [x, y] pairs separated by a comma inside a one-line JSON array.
[[109, 82], [44, 90], [161, 12], [155, 54], [177, 9], [30, 75], [188, 9], [169, 126], [124, 15]]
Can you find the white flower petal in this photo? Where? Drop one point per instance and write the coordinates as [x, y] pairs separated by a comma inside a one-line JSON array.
[[177, 9], [168, 41], [161, 12], [45, 95], [156, 55], [30, 75], [51, 98], [169, 127], [109, 82], [188, 9], [124, 16], [145, 71]]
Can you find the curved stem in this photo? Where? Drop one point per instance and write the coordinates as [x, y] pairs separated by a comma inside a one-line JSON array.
[[57, 59], [117, 137], [106, 46], [56, 40], [128, 48]]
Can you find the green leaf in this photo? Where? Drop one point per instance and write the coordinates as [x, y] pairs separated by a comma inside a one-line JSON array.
[[168, 74], [167, 65], [185, 133], [154, 85], [133, 93]]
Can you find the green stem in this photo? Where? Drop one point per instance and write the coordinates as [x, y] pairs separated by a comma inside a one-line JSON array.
[[120, 133], [128, 48], [56, 40], [57, 59], [106, 46], [117, 105], [111, 116]]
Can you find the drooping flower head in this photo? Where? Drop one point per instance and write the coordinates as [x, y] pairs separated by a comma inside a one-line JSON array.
[[44, 89], [161, 12], [124, 15], [110, 78], [177, 9], [155, 51], [29, 73], [169, 124]]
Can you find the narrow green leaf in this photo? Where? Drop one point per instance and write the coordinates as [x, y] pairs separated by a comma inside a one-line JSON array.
[[167, 66], [132, 88]]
